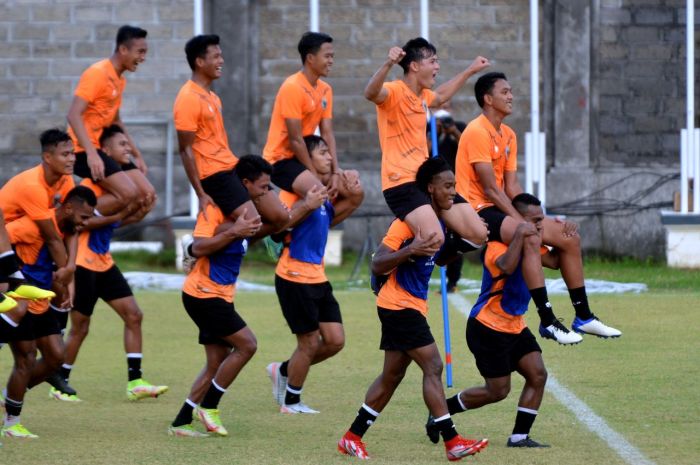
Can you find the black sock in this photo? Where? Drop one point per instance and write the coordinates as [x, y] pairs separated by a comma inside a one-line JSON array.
[[134, 364], [8, 266], [524, 420], [579, 300], [184, 416], [454, 406], [283, 368], [292, 395], [363, 421], [544, 308], [65, 371], [213, 396], [446, 427], [12, 407]]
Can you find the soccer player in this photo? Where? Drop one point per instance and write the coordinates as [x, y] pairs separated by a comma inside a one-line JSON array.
[[95, 106], [402, 304], [98, 277], [40, 326], [487, 177], [207, 296], [304, 103], [401, 118], [206, 156], [305, 295], [496, 331]]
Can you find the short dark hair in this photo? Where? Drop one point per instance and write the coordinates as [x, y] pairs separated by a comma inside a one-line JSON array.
[[109, 132], [81, 195], [428, 170], [251, 167], [416, 49], [311, 42], [52, 137], [314, 141], [127, 33], [197, 47], [522, 201], [484, 85]]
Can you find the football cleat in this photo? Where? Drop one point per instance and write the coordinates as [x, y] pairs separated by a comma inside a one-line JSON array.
[[279, 382], [558, 332], [431, 430], [527, 442], [211, 420], [58, 395], [60, 384], [6, 303], [297, 408], [17, 431], [458, 447], [138, 389], [25, 291], [351, 444], [188, 260], [594, 327], [185, 431]]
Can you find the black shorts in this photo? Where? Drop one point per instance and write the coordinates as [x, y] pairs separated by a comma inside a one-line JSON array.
[[214, 317], [304, 306], [285, 172], [226, 190], [61, 318], [494, 219], [82, 169], [497, 354], [92, 285], [405, 198], [129, 166], [7, 331], [35, 326], [404, 330]]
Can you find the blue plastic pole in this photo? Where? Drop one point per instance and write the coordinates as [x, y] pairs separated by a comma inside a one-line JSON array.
[[443, 281]]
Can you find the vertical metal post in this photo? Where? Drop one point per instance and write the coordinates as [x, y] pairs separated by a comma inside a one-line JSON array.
[[313, 15], [169, 134]]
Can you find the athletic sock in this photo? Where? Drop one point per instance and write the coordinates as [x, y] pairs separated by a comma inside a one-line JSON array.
[[455, 405], [523, 421], [213, 396], [544, 308], [184, 416], [133, 361], [364, 419], [292, 395], [579, 300], [13, 408], [65, 371], [283, 368], [446, 427]]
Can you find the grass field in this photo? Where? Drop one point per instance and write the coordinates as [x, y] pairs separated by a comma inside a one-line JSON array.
[[643, 385]]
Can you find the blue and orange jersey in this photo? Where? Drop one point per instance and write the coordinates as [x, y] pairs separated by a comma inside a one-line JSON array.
[[37, 263], [93, 245], [215, 275], [302, 257], [504, 298], [407, 286], [27, 193]]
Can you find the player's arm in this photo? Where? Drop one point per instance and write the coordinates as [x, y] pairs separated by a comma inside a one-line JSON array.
[[185, 141], [495, 194], [509, 261], [386, 259], [75, 120], [511, 184], [345, 206], [445, 91], [135, 152], [52, 240], [297, 145], [302, 208], [226, 233], [326, 129], [374, 90]]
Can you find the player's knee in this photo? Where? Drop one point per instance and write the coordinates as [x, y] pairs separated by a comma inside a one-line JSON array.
[[309, 343], [247, 347], [24, 362], [334, 345], [134, 318], [434, 368], [498, 393], [532, 244], [539, 378]]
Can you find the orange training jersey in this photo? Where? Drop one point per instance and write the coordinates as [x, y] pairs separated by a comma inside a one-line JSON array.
[[198, 110], [37, 264], [302, 256], [93, 245], [480, 142], [215, 275], [504, 298], [102, 89], [296, 99], [407, 286], [28, 194], [401, 120]]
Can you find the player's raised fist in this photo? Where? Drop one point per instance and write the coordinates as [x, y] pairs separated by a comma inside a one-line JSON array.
[[396, 54]]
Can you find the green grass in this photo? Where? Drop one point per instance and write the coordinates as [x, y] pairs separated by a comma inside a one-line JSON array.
[[642, 384]]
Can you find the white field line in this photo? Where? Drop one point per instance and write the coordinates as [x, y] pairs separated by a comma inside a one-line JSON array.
[[583, 412]]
